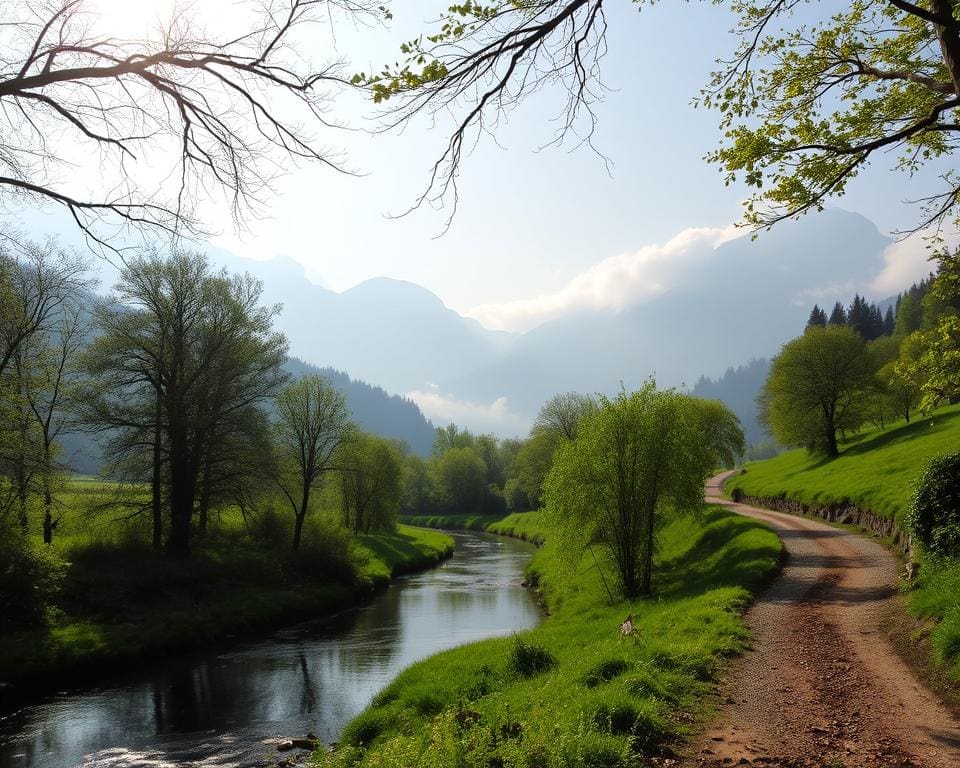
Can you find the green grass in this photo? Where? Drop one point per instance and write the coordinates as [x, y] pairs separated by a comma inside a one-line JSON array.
[[451, 522], [529, 526], [878, 471], [122, 602], [573, 692]]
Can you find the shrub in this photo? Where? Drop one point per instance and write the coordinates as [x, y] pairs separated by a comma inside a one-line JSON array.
[[604, 672], [934, 514], [527, 660], [30, 576], [737, 495]]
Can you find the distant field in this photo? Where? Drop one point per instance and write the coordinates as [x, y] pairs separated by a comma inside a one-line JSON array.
[[877, 470]]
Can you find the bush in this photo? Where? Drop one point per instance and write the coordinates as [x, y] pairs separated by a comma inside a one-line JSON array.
[[604, 672], [737, 495], [934, 514], [527, 660], [30, 576]]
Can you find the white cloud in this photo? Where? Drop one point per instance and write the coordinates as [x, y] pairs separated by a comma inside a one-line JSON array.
[[479, 417], [907, 262], [614, 283]]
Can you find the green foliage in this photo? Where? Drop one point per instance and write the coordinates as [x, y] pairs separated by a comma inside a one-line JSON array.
[[934, 515], [371, 473], [527, 660], [31, 576], [608, 700], [804, 106], [636, 459], [816, 387]]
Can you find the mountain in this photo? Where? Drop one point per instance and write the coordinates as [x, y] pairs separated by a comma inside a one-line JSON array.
[[744, 301], [738, 388], [374, 409]]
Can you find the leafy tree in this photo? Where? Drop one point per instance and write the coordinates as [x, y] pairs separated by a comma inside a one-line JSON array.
[[909, 313], [815, 388], [561, 415], [312, 425], [635, 460], [180, 351], [461, 475], [932, 355], [818, 318], [370, 473], [531, 465]]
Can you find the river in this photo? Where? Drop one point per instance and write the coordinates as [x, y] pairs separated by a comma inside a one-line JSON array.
[[224, 708]]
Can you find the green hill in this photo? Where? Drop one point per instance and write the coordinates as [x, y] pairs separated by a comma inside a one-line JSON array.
[[876, 470]]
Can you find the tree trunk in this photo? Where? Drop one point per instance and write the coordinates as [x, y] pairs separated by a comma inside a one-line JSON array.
[[183, 481], [204, 495], [949, 40], [301, 516], [48, 523], [156, 479]]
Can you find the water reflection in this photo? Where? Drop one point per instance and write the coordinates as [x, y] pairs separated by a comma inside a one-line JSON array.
[[221, 710]]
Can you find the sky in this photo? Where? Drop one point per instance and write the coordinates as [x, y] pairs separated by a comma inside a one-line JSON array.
[[539, 231]]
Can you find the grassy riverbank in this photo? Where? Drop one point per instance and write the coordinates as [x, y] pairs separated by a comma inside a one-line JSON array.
[[878, 471], [121, 602], [573, 692], [451, 522]]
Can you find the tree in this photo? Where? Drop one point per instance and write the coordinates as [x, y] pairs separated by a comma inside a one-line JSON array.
[[889, 322], [370, 483], [838, 316], [815, 388], [804, 107], [222, 112], [561, 415], [181, 351], [312, 424], [461, 475], [40, 287], [635, 460], [818, 318]]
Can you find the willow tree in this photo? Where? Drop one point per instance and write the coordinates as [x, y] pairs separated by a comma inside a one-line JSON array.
[[804, 105], [636, 460]]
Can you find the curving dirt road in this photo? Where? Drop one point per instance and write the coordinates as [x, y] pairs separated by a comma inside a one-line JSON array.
[[822, 686]]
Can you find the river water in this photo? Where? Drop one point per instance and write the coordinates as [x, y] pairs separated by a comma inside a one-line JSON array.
[[229, 708]]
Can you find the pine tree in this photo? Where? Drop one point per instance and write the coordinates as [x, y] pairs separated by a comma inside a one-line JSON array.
[[889, 321], [858, 316], [818, 318], [839, 315]]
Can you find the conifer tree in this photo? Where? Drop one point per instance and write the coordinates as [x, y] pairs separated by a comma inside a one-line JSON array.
[[818, 318], [839, 315], [889, 322]]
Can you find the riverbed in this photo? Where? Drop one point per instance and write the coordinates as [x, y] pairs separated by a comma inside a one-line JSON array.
[[229, 708]]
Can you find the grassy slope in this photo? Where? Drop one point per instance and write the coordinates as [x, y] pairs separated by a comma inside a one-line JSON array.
[[451, 522], [123, 603], [879, 472], [607, 698], [876, 471]]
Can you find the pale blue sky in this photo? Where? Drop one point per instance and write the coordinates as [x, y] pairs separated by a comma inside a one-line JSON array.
[[530, 221]]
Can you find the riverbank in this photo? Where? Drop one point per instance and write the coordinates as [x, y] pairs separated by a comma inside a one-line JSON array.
[[574, 691], [125, 605], [872, 482]]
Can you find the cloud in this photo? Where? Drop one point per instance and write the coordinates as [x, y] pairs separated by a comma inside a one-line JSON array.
[[907, 262], [614, 283], [479, 417]]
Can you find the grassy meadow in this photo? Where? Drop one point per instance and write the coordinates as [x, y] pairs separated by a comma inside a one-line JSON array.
[[574, 692], [878, 470], [121, 601]]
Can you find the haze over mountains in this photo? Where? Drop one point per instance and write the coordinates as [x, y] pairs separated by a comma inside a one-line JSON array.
[[708, 300], [719, 306]]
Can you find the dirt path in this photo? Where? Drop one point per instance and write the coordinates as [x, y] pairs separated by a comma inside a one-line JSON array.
[[823, 686]]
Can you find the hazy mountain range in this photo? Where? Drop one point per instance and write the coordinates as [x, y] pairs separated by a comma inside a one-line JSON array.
[[719, 306], [732, 303]]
